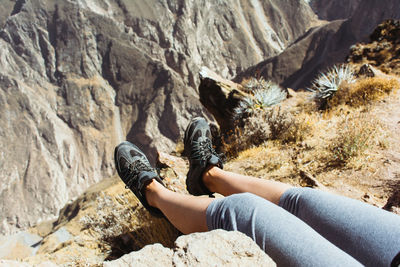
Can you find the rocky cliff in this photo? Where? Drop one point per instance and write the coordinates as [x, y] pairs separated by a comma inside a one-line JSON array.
[[295, 142], [77, 77], [334, 10], [324, 45]]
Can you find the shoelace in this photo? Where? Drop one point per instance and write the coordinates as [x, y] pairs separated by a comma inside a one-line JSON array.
[[202, 150], [134, 169]]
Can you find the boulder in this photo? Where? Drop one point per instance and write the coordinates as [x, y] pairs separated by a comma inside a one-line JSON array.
[[150, 255], [220, 96], [19, 246], [214, 248]]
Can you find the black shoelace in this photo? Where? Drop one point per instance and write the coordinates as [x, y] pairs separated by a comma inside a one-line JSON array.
[[202, 150], [135, 168]]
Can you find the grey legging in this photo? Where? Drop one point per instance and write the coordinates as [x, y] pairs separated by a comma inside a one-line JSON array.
[[327, 229]]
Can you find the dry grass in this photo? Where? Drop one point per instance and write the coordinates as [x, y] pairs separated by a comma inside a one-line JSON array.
[[121, 226], [320, 142], [271, 124], [270, 160], [363, 92], [255, 131], [301, 127], [354, 137]]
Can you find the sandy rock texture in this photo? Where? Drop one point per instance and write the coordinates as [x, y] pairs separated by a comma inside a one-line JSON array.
[[11, 263], [215, 248], [77, 77]]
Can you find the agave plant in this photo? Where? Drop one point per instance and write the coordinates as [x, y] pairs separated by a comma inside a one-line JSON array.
[[327, 84], [262, 94]]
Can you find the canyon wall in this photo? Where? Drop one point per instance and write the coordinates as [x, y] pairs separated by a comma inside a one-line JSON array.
[[79, 76]]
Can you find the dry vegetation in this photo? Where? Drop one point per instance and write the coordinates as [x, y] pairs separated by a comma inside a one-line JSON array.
[[120, 225], [284, 140], [363, 92], [271, 124]]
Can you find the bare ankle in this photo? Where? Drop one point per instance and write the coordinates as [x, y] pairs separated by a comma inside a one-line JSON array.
[[209, 176], [151, 192]]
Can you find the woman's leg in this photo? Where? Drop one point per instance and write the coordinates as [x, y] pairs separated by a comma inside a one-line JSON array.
[[228, 183], [187, 213], [369, 234], [358, 228], [285, 238]]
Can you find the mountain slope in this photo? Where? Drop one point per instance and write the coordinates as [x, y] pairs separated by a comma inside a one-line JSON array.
[[323, 46], [77, 77]]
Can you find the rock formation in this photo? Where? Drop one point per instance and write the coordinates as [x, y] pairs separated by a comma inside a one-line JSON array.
[[334, 10], [108, 224], [77, 77], [382, 51], [220, 97], [323, 46], [215, 248]]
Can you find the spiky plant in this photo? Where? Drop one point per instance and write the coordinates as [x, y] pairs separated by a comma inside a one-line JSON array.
[[262, 94], [327, 84]]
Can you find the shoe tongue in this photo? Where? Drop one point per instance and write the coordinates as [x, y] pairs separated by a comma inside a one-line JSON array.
[[213, 160], [147, 175]]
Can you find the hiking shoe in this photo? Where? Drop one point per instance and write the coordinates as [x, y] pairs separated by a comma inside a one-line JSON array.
[[198, 147], [135, 170]]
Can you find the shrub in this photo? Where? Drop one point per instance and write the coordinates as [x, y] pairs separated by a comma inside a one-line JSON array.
[[286, 127], [279, 122], [124, 225], [356, 134], [300, 127], [112, 218], [270, 124], [262, 94], [349, 145], [254, 132], [364, 91], [327, 84]]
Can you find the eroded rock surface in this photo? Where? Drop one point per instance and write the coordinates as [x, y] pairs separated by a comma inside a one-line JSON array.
[[77, 77], [323, 46], [215, 248], [334, 9]]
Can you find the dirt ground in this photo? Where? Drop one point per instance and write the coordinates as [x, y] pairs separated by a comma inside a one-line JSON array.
[[373, 177]]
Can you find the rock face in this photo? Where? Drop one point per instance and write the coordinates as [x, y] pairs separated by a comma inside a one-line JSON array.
[[383, 49], [334, 9], [77, 77], [215, 248], [220, 97], [323, 46]]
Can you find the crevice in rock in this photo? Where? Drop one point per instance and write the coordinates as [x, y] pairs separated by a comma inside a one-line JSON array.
[[18, 7], [44, 50], [106, 65], [53, 36], [136, 240]]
